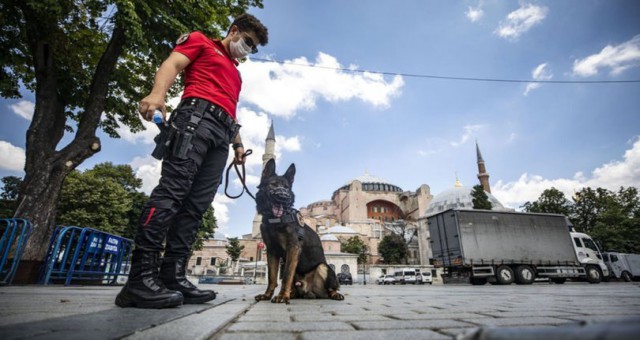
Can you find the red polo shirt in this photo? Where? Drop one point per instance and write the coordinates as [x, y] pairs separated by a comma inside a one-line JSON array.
[[212, 74]]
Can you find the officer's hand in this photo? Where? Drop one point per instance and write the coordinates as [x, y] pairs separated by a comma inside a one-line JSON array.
[[151, 103], [239, 156]]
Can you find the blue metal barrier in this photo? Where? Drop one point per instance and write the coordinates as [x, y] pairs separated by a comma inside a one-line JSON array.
[[86, 254], [15, 234]]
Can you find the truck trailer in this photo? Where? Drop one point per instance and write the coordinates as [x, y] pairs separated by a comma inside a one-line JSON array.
[[505, 247]]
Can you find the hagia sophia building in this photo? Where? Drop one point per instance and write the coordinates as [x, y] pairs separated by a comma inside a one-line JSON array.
[[367, 207]]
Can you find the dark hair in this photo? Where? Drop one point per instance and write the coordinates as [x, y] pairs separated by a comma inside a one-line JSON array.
[[247, 22]]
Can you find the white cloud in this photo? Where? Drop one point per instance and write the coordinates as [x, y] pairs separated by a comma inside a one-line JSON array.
[[474, 14], [11, 157], [610, 176], [284, 89], [617, 58], [145, 137], [24, 109], [469, 130], [538, 73], [520, 21], [148, 169], [221, 212]]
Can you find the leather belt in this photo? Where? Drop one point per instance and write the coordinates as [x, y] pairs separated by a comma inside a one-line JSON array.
[[214, 110]]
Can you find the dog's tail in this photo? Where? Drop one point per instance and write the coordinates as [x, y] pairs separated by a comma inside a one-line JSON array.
[[331, 283]]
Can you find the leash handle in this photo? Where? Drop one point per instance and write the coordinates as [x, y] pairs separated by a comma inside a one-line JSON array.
[[242, 178]]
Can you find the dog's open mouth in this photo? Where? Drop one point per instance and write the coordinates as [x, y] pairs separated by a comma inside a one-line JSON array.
[[277, 209]]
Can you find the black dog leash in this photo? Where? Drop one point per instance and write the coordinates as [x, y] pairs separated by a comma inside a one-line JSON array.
[[242, 177]]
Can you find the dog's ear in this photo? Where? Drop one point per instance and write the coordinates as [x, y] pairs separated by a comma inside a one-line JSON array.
[[269, 170], [291, 172]]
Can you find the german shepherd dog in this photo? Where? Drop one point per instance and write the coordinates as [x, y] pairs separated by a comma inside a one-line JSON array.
[[305, 270]]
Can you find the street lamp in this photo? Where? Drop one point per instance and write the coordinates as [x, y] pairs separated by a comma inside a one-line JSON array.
[[364, 254]]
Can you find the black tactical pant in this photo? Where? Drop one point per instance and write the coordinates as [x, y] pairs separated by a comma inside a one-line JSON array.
[[186, 189]]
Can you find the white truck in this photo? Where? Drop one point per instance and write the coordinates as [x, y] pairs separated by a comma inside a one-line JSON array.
[[505, 247], [623, 266]]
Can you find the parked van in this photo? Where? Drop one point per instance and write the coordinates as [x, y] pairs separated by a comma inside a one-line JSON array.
[[405, 275], [424, 277], [623, 266]]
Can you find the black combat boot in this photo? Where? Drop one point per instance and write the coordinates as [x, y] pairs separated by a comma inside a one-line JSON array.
[[172, 274], [144, 289]]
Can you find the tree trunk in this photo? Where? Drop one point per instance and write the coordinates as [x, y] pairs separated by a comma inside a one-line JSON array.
[[46, 168]]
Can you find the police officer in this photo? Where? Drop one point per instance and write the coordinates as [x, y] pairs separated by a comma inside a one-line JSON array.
[[204, 124]]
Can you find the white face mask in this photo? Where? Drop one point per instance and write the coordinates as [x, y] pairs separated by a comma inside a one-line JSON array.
[[239, 49]]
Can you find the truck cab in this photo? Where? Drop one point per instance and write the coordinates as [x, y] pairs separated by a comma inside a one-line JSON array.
[[590, 257]]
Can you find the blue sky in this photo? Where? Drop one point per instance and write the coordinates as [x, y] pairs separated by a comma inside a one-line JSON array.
[[411, 130]]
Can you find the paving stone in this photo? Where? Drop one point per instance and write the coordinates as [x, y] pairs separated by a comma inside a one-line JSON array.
[[375, 335], [289, 326], [253, 336], [517, 321], [409, 324]]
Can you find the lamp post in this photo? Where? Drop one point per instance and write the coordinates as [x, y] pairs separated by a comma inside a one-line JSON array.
[[363, 252]]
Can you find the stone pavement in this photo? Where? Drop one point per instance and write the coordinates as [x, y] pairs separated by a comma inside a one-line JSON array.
[[569, 311]]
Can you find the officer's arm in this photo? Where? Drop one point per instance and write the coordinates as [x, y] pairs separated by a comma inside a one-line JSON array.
[[163, 80], [168, 72]]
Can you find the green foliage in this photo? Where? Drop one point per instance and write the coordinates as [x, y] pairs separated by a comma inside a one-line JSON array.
[[234, 249], [9, 195], [612, 219], [207, 229], [90, 200], [551, 201], [10, 187], [480, 199], [393, 249], [77, 34], [354, 245]]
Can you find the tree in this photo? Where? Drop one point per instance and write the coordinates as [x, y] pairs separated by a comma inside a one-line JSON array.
[[207, 229], [480, 199], [97, 199], [234, 249], [551, 201], [354, 245], [617, 223], [88, 63], [393, 249], [9, 195]]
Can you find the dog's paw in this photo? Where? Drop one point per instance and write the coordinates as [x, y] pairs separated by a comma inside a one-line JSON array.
[[263, 297], [280, 299], [336, 296]]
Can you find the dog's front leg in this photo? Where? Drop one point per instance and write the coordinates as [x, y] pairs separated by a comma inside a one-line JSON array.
[[273, 263], [291, 262]]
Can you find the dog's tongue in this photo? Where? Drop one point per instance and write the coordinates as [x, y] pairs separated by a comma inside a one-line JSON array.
[[277, 210]]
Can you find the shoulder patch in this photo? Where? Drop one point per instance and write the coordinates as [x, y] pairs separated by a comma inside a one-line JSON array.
[[182, 38]]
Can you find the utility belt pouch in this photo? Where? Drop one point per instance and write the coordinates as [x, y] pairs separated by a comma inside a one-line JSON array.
[[161, 148], [162, 140], [183, 141], [182, 144]]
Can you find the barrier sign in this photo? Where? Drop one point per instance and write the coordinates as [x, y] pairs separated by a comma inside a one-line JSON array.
[[112, 245]]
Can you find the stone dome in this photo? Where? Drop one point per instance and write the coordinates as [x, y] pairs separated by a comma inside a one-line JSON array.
[[373, 183], [329, 237], [458, 198]]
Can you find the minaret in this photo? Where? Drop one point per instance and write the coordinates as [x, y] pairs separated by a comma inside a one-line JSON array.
[[269, 147], [269, 153], [483, 175]]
